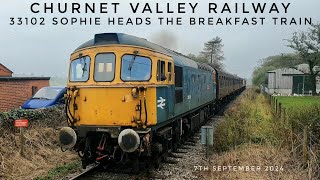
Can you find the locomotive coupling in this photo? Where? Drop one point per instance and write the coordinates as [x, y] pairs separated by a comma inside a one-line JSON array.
[[67, 138], [128, 140]]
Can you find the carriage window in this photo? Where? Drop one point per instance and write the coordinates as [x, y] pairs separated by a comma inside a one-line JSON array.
[[135, 68], [170, 71], [79, 69], [104, 67], [161, 71]]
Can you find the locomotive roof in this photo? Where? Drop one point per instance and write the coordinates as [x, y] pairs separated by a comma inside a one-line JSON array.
[[125, 39]]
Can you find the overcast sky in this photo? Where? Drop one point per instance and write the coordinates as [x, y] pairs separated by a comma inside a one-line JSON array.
[[45, 50]]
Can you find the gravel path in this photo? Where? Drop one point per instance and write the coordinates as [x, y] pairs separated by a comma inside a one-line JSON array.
[[185, 168]]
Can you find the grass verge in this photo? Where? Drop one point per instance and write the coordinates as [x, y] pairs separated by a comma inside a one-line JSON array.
[[298, 101], [61, 171], [41, 149], [251, 134]]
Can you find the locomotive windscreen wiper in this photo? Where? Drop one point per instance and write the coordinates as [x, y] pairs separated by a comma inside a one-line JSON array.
[[133, 59], [84, 67]]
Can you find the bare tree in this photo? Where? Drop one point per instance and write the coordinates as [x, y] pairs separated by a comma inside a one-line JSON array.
[[307, 44]]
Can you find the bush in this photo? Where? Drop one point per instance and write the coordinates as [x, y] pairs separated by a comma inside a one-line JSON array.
[[248, 120], [49, 117]]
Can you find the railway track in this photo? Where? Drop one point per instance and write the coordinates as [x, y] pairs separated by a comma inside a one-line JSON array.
[[119, 172], [111, 171], [114, 173], [78, 175]]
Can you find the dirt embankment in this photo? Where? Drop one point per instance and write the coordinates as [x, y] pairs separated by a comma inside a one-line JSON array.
[[42, 152]]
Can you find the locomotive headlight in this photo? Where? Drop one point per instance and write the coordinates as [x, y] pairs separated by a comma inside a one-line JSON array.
[[129, 140], [67, 137]]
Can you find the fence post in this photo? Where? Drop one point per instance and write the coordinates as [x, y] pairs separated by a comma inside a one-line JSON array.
[[282, 115], [276, 106], [279, 110], [270, 98]]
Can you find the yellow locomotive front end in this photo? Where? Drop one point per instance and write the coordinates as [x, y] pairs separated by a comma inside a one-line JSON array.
[[111, 92], [107, 84]]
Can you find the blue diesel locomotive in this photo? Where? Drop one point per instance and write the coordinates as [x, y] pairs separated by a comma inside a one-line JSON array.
[[130, 98]]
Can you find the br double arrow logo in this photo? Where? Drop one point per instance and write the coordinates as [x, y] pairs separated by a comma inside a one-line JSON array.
[[161, 102]]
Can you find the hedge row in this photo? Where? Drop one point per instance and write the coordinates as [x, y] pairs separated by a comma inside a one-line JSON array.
[[50, 117]]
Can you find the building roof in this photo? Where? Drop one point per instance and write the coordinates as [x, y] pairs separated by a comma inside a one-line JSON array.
[[5, 67], [286, 71], [23, 78]]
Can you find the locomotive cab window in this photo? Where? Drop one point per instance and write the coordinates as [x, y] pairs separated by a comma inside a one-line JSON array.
[[161, 71], [104, 67], [135, 68], [79, 69]]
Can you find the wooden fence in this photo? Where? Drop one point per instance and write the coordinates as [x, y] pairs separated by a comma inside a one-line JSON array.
[[280, 113]]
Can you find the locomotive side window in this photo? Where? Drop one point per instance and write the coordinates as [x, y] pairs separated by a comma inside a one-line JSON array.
[[170, 71], [178, 96], [79, 69], [178, 76], [104, 67], [179, 84], [135, 68], [161, 71]]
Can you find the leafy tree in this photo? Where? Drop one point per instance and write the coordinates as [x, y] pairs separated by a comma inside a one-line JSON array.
[[212, 51], [307, 44]]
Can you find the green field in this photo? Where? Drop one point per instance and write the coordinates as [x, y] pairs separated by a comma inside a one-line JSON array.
[[298, 101]]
